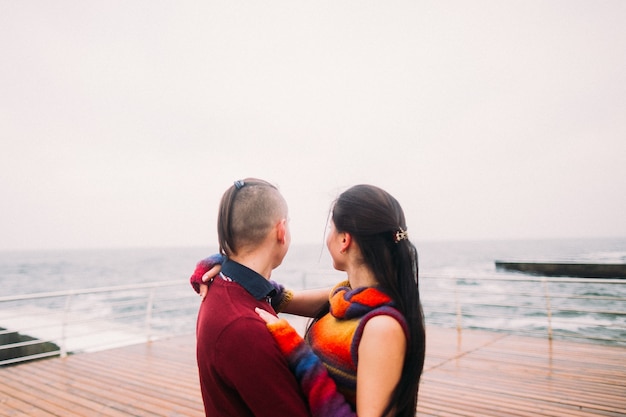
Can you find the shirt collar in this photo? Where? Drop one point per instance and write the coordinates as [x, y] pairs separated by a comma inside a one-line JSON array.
[[254, 283]]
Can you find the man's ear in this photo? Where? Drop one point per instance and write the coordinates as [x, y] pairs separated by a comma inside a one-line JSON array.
[[281, 231]]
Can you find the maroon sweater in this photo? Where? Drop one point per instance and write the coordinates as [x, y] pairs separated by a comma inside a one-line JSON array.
[[242, 371]]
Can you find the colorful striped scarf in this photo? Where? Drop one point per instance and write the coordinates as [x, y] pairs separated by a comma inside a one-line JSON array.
[[335, 338]]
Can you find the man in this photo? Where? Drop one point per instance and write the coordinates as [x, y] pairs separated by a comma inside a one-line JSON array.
[[242, 372]]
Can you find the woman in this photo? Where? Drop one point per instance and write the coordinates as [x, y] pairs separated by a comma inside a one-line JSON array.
[[373, 322]]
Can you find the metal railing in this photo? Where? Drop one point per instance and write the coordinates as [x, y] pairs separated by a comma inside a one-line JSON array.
[[40, 325], [583, 309], [34, 326], [590, 310]]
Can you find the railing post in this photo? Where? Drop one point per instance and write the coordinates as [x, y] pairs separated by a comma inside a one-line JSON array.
[[66, 310], [457, 301], [149, 307], [548, 307]]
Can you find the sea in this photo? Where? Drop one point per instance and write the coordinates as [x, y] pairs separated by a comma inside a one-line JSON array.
[[459, 283]]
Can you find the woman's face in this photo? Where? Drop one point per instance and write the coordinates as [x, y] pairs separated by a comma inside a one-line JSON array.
[[334, 243]]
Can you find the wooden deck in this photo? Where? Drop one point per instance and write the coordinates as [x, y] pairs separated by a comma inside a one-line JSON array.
[[474, 374]]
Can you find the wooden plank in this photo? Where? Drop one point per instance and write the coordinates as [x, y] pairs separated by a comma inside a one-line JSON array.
[[468, 374], [139, 380], [525, 376]]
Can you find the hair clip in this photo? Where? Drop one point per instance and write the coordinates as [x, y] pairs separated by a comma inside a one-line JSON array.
[[239, 184], [400, 235]]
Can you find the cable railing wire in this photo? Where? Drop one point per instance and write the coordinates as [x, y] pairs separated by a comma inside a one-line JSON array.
[[64, 322]]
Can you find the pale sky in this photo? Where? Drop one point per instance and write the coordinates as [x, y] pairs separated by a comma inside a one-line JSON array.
[[123, 122]]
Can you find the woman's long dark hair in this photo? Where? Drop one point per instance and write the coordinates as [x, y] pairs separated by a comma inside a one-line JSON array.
[[373, 217]]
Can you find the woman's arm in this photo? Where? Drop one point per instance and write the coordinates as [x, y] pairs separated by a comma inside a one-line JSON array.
[[205, 270], [307, 303], [381, 358]]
